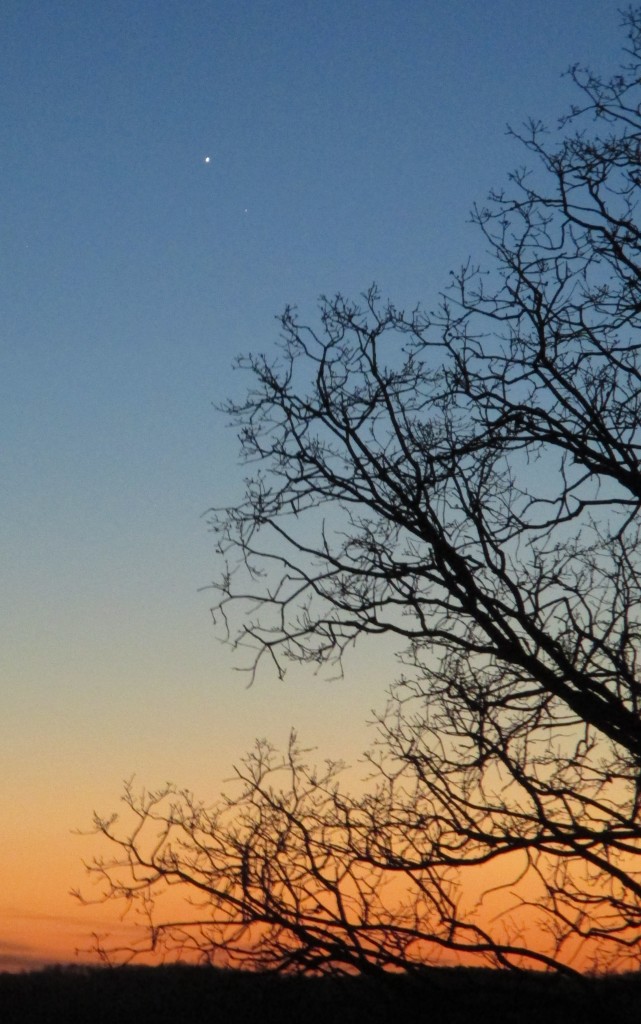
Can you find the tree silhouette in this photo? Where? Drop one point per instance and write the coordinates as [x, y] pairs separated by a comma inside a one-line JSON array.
[[468, 481]]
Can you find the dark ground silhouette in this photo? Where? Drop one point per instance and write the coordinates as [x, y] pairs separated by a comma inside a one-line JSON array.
[[199, 995]]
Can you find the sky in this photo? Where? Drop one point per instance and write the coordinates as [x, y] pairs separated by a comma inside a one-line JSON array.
[[173, 174]]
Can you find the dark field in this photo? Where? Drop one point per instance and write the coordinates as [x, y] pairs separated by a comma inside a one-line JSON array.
[[193, 995]]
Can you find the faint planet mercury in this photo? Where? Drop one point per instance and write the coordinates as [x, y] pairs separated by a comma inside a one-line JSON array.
[[207, 159]]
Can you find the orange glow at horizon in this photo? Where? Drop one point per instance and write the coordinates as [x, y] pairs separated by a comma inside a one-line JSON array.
[[60, 931]]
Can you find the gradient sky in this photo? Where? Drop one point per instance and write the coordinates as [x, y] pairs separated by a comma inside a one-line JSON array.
[[348, 140]]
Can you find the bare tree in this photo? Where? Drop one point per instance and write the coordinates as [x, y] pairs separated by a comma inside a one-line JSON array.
[[468, 481], [290, 874]]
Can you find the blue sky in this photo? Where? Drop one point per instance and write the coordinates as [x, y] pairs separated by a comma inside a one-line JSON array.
[[348, 141]]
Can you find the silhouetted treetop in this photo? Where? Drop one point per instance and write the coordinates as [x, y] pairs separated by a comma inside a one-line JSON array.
[[467, 481]]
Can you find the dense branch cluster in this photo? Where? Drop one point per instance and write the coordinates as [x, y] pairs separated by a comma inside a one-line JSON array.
[[468, 481]]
